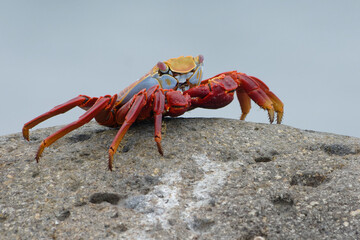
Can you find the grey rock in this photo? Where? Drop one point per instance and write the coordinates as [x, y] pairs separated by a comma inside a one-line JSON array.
[[218, 179]]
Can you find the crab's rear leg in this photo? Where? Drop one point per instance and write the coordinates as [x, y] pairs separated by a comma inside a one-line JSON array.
[[81, 101], [102, 104]]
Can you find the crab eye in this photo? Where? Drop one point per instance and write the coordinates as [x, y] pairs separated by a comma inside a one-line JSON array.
[[163, 67], [200, 58]]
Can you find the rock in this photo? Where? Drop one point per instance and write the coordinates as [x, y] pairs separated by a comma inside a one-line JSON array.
[[218, 179]]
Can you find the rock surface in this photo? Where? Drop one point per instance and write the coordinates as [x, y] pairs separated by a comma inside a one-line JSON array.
[[218, 179]]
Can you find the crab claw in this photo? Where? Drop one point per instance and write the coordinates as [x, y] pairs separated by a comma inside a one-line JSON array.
[[255, 89], [271, 115]]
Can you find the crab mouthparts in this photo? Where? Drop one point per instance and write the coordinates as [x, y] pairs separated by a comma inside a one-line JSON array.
[[183, 86], [183, 80]]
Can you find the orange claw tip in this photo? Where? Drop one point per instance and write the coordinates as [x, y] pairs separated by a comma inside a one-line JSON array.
[[111, 157], [25, 133], [38, 155], [279, 117], [110, 163], [40, 150], [271, 115], [243, 116], [160, 148]]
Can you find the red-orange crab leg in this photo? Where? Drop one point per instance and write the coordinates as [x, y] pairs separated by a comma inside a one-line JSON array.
[[131, 110], [102, 103], [245, 102], [81, 101], [159, 106]]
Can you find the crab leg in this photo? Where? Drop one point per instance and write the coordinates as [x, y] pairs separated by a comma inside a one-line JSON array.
[[133, 111], [245, 102], [97, 108], [218, 91], [81, 100], [159, 103]]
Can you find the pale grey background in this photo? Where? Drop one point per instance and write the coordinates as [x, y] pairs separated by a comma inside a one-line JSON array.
[[306, 51]]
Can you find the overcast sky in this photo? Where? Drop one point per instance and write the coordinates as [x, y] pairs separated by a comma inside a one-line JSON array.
[[307, 52]]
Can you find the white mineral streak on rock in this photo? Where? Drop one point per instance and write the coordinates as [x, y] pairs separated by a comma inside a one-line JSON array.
[[214, 177], [159, 205]]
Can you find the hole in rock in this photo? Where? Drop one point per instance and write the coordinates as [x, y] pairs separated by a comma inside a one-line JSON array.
[[111, 198]]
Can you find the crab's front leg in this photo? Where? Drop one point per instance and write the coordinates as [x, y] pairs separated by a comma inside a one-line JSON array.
[[259, 92], [213, 93], [219, 91]]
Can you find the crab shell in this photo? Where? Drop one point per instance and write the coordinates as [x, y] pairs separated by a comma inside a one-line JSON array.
[[180, 73]]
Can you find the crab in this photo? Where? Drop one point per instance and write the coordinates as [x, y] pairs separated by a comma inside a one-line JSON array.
[[171, 88]]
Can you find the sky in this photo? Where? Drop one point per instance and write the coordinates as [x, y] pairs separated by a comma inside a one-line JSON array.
[[307, 52]]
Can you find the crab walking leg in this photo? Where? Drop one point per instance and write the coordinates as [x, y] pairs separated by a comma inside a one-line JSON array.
[[245, 102], [98, 107], [138, 102], [277, 103], [81, 101], [159, 103]]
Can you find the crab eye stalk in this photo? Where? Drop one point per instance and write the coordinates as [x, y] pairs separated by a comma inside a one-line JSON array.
[[201, 58], [163, 67]]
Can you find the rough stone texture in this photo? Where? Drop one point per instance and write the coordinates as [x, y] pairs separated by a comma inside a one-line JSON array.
[[218, 179]]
